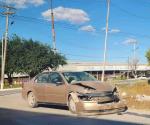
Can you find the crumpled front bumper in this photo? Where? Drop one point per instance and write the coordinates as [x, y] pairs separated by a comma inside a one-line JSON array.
[[95, 107]]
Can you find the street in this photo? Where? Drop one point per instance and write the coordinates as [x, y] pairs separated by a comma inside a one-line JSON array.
[[15, 111]]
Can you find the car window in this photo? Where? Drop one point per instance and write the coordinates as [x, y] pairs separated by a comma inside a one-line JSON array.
[[55, 78], [78, 76], [42, 78]]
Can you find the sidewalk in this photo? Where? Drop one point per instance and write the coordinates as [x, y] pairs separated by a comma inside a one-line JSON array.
[[10, 91]]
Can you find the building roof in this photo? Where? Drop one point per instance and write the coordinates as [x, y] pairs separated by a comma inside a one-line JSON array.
[[86, 66]]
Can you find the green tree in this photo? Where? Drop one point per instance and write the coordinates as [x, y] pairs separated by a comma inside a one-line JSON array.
[[148, 56], [31, 57], [39, 57], [14, 55]]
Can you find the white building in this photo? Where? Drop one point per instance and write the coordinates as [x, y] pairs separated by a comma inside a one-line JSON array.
[[87, 66]]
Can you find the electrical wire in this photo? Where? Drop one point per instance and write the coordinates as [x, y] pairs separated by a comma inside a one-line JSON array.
[[129, 13]]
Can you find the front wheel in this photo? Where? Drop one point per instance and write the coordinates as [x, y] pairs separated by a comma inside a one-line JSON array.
[[32, 100], [72, 105]]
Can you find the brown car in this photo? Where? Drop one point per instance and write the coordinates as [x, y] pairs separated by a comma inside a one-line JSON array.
[[80, 91]]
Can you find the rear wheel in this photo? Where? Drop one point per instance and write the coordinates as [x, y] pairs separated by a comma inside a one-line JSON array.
[[32, 100], [72, 105]]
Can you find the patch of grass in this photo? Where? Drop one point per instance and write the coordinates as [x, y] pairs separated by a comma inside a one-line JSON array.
[[133, 103], [7, 86], [132, 91]]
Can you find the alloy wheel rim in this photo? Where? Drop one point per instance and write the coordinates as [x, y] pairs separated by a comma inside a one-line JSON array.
[[72, 105], [31, 99]]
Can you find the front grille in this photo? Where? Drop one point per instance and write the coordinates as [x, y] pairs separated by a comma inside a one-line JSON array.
[[100, 98]]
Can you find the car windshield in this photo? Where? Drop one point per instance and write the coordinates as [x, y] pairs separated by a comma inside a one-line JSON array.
[[72, 77]]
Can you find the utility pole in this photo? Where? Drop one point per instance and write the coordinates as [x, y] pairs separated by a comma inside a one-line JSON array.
[[135, 60], [106, 37], [4, 43], [2, 58], [134, 50], [128, 61], [53, 27]]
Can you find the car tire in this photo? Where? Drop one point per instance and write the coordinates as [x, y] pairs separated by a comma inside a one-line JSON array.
[[32, 100], [72, 105]]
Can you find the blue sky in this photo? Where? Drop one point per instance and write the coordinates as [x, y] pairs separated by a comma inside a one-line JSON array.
[[80, 27]]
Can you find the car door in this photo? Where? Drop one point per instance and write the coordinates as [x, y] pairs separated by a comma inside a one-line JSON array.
[[56, 89], [39, 86]]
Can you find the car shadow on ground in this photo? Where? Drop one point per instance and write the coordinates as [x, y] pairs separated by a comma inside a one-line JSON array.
[[60, 107], [19, 117], [137, 114]]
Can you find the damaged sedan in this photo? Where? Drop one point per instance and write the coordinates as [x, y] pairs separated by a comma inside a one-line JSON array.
[[80, 91]]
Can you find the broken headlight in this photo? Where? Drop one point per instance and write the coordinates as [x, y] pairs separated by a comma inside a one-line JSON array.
[[84, 97]]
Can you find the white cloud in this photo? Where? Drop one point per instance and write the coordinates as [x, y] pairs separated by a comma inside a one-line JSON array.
[[130, 41], [87, 28], [24, 3], [114, 31], [111, 30], [74, 16]]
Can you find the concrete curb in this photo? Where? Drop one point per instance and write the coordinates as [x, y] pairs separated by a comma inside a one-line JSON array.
[[10, 91]]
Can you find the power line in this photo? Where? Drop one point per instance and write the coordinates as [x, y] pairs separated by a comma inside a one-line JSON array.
[[135, 34], [40, 20], [84, 47], [30, 19], [129, 13]]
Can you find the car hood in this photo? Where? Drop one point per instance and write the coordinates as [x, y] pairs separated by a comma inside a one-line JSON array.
[[90, 87]]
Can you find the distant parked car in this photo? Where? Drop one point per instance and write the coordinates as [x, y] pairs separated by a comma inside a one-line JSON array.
[[80, 91]]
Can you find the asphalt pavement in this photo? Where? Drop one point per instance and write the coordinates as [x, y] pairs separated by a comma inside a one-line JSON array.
[[15, 111]]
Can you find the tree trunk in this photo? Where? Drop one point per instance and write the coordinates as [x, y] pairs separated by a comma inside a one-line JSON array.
[[10, 80], [32, 74]]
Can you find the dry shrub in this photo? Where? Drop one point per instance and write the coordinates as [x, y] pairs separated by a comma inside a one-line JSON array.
[[132, 90]]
